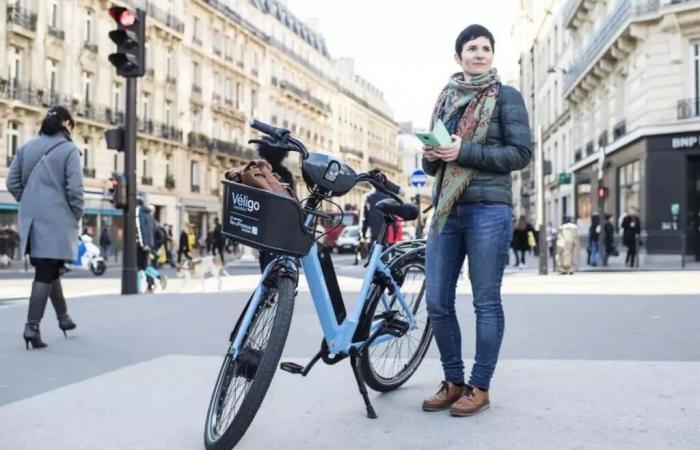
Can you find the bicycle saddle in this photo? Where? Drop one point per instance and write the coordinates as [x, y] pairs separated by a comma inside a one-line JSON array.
[[406, 211]]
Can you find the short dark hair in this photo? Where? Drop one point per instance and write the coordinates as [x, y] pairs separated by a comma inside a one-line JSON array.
[[472, 32], [53, 122]]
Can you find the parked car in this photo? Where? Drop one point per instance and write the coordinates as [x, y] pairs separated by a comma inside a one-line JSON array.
[[348, 240]]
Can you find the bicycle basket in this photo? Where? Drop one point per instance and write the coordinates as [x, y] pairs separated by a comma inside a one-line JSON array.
[[264, 220]]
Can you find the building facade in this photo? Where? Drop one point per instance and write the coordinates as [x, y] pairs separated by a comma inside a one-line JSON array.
[[211, 66], [634, 94]]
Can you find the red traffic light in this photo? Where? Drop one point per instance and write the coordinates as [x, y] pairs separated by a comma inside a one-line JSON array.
[[602, 192], [124, 16]]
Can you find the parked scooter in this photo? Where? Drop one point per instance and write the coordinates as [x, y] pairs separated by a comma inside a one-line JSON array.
[[89, 257]]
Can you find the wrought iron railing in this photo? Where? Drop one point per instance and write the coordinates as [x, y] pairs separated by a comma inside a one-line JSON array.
[[22, 17], [620, 129], [89, 172], [147, 181], [56, 32], [170, 182], [689, 107], [90, 46]]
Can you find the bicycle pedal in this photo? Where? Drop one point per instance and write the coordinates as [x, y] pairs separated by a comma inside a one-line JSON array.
[[396, 327], [291, 367]]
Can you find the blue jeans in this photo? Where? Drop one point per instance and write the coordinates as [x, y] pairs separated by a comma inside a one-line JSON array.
[[594, 252], [482, 232]]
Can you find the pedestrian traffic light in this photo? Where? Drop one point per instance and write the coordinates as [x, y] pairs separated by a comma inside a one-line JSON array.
[[118, 190], [115, 139], [130, 37], [602, 192]]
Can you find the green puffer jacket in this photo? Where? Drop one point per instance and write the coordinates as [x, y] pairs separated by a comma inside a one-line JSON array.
[[508, 147]]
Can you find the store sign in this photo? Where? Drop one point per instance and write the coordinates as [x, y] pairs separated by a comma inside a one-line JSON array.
[[685, 142], [564, 178]]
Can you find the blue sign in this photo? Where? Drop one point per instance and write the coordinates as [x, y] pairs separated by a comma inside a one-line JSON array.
[[418, 178]]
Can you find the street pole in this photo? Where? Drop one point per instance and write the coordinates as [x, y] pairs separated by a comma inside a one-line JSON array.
[[419, 222], [541, 218], [129, 269]]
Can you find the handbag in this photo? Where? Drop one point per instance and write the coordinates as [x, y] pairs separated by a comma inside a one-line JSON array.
[[531, 239], [258, 174]]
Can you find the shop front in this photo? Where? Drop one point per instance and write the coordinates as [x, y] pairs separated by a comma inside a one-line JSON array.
[[659, 176]]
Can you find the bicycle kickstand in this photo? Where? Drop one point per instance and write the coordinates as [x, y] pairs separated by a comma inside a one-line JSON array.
[[361, 385]]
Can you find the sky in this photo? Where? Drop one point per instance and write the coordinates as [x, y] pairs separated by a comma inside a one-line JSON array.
[[406, 48]]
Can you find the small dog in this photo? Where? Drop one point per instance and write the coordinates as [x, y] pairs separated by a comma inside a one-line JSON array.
[[204, 268]]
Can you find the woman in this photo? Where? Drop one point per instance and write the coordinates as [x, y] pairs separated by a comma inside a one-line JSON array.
[[46, 179], [593, 236], [521, 241], [472, 218], [184, 245]]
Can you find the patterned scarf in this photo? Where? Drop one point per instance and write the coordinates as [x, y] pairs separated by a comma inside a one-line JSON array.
[[479, 94]]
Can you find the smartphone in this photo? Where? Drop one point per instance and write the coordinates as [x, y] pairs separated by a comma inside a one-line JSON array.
[[439, 137]]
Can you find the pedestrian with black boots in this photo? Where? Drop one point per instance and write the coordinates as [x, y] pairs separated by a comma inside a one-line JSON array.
[[47, 180]]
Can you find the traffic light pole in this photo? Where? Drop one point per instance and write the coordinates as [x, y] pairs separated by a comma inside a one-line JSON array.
[[129, 269]]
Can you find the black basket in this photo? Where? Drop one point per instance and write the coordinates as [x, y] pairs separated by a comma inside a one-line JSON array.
[[264, 220]]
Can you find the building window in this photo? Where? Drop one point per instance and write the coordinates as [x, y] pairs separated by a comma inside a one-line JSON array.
[[239, 95], [169, 63], [628, 186], [15, 65], [695, 79], [53, 14], [51, 78], [168, 162], [12, 140], [86, 153], [144, 165], [194, 176], [88, 26], [116, 97], [145, 107], [167, 112], [196, 73], [87, 88], [253, 102]]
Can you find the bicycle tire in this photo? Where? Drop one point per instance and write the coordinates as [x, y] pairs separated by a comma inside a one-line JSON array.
[[262, 377], [369, 372]]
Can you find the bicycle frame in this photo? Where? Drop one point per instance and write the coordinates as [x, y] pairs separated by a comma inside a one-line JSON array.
[[338, 336]]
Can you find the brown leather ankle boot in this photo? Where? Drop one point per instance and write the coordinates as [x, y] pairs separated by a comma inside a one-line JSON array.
[[472, 402], [444, 397]]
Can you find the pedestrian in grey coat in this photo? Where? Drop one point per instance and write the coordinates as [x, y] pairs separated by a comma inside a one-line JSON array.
[[46, 179]]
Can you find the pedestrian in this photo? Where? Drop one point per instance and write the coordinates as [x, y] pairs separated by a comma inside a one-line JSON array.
[[169, 241], [146, 227], [567, 247], [218, 241], [472, 199], [593, 237], [46, 179], [105, 242], [184, 245], [610, 249], [631, 229], [521, 241], [275, 157]]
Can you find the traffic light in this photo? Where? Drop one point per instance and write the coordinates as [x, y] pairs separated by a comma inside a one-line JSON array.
[[115, 139], [118, 190], [602, 192], [130, 37]]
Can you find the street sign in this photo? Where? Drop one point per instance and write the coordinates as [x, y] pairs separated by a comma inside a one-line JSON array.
[[564, 178], [418, 178]]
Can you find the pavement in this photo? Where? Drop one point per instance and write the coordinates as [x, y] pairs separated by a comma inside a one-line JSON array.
[[591, 360]]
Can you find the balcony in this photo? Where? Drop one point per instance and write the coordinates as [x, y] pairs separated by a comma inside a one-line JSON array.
[[171, 80], [57, 33], [170, 181], [196, 89], [620, 129], [164, 17], [169, 132], [194, 189], [688, 108], [89, 172], [254, 72], [383, 163], [197, 140], [228, 58], [305, 95], [91, 47], [232, 149], [147, 181], [150, 73], [603, 139], [239, 64], [351, 151], [217, 51], [22, 17], [589, 148], [196, 41]]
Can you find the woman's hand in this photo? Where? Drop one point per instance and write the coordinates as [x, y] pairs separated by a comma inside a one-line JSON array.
[[450, 152], [429, 153]]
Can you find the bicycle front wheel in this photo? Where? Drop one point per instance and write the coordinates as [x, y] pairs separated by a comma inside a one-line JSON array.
[[243, 382], [387, 365]]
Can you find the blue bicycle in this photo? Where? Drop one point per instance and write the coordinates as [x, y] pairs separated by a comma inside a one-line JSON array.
[[386, 335]]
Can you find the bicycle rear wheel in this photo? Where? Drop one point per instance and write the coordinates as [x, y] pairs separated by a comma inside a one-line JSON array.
[[243, 382], [387, 365]]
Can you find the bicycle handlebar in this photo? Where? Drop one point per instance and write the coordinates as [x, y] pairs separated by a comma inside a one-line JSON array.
[[281, 135], [377, 179]]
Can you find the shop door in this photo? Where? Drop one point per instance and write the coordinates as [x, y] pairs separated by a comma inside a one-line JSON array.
[[694, 205]]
